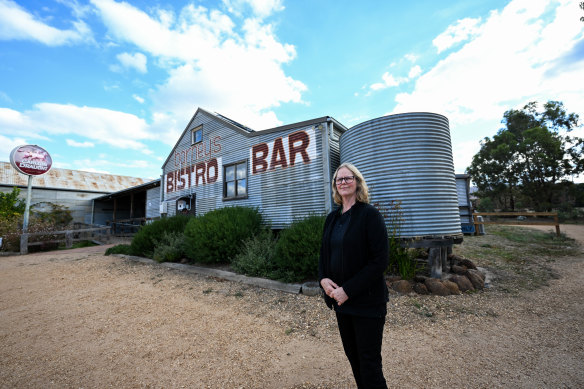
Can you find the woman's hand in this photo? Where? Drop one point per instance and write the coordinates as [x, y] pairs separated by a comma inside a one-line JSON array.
[[333, 291], [339, 295], [329, 286]]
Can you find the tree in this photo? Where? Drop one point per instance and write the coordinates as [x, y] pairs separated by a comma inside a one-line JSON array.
[[10, 205], [528, 159]]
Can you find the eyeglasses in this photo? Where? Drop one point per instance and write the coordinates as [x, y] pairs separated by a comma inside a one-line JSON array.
[[348, 180]]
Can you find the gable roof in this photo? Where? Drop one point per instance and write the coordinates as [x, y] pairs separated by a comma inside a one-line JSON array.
[[66, 179], [246, 131]]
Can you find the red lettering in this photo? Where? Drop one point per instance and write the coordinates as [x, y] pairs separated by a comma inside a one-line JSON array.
[[212, 165], [170, 182], [181, 182], [278, 155], [200, 172], [216, 144], [258, 162], [304, 140]]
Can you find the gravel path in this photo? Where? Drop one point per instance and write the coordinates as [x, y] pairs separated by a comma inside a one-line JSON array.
[[79, 319]]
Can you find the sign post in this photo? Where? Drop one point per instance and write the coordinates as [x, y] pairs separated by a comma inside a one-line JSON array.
[[31, 160]]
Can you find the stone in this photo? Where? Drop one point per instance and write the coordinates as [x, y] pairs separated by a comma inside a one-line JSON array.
[[464, 284], [391, 279], [459, 270], [467, 263], [402, 286], [475, 278], [454, 257], [451, 286], [420, 278], [478, 273], [420, 288], [435, 286]]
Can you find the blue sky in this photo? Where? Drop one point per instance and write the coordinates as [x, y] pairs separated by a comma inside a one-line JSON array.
[[109, 86]]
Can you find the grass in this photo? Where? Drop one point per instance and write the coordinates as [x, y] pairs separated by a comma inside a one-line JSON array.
[[519, 257]]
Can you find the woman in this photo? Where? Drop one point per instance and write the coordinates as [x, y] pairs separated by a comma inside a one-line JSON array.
[[353, 256]]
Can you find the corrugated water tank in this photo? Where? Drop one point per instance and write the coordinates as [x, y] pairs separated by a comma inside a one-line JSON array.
[[408, 158]]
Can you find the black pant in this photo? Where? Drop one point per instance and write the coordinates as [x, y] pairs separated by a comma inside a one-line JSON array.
[[362, 338]]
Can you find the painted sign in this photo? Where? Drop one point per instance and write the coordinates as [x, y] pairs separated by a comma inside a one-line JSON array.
[[31, 160], [283, 152], [193, 170]]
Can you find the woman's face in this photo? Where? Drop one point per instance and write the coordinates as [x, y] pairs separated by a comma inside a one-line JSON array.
[[346, 189]]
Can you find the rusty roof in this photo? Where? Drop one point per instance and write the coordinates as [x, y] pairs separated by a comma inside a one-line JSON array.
[[67, 179]]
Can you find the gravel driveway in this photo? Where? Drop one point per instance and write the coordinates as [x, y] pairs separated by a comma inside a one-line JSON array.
[[79, 319]]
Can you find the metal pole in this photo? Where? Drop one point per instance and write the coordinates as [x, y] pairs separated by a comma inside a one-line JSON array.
[[27, 208]]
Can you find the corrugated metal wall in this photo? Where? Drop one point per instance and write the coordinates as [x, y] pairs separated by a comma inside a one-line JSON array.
[[282, 195], [463, 198], [153, 203], [408, 157]]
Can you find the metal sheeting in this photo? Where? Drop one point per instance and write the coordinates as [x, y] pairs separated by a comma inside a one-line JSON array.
[[408, 158], [282, 195], [66, 179]]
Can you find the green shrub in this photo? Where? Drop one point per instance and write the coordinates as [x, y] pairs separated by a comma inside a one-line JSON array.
[[170, 247], [257, 257], [298, 249], [145, 240], [119, 249], [218, 235]]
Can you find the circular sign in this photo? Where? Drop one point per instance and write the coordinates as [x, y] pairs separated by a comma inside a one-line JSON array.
[[31, 160]]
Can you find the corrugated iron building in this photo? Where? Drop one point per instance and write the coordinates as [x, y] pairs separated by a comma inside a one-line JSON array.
[[73, 189], [285, 171]]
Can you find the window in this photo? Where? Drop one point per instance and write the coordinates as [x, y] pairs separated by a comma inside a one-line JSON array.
[[235, 185], [197, 135]]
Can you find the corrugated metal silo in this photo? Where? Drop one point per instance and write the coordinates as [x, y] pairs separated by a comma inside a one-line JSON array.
[[408, 157]]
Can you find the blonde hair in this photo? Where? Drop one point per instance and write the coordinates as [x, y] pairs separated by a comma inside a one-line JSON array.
[[362, 189]]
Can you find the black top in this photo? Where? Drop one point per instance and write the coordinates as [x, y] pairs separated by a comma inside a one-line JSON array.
[[354, 254]]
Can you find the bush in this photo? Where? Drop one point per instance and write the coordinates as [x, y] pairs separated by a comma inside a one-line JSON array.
[[218, 235], [119, 249], [257, 257], [298, 249], [146, 239], [170, 247]]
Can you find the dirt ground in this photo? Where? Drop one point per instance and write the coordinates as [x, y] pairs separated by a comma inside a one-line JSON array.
[[80, 319]]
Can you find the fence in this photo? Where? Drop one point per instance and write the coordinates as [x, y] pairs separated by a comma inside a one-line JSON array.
[[518, 219], [68, 237]]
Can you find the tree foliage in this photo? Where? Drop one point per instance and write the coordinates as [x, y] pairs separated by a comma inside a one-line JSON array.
[[527, 160], [10, 205]]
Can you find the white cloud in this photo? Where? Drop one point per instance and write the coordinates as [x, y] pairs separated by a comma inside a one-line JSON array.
[[411, 57], [138, 99], [213, 63], [7, 144], [461, 31], [507, 64], [72, 143], [18, 24], [260, 8], [118, 129], [135, 61], [415, 71]]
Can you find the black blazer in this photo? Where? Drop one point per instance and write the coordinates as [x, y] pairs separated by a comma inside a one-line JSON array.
[[365, 257]]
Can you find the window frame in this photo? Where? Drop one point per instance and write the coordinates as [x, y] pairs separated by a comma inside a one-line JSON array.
[[235, 164], [194, 131]]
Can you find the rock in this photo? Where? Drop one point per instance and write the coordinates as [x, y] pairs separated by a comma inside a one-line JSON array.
[[459, 270], [451, 286], [463, 282], [311, 289], [420, 288], [402, 287], [454, 257], [478, 273], [475, 278], [436, 287], [467, 263], [391, 279], [420, 278]]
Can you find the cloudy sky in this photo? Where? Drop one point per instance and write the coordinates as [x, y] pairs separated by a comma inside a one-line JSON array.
[[109, 86]]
